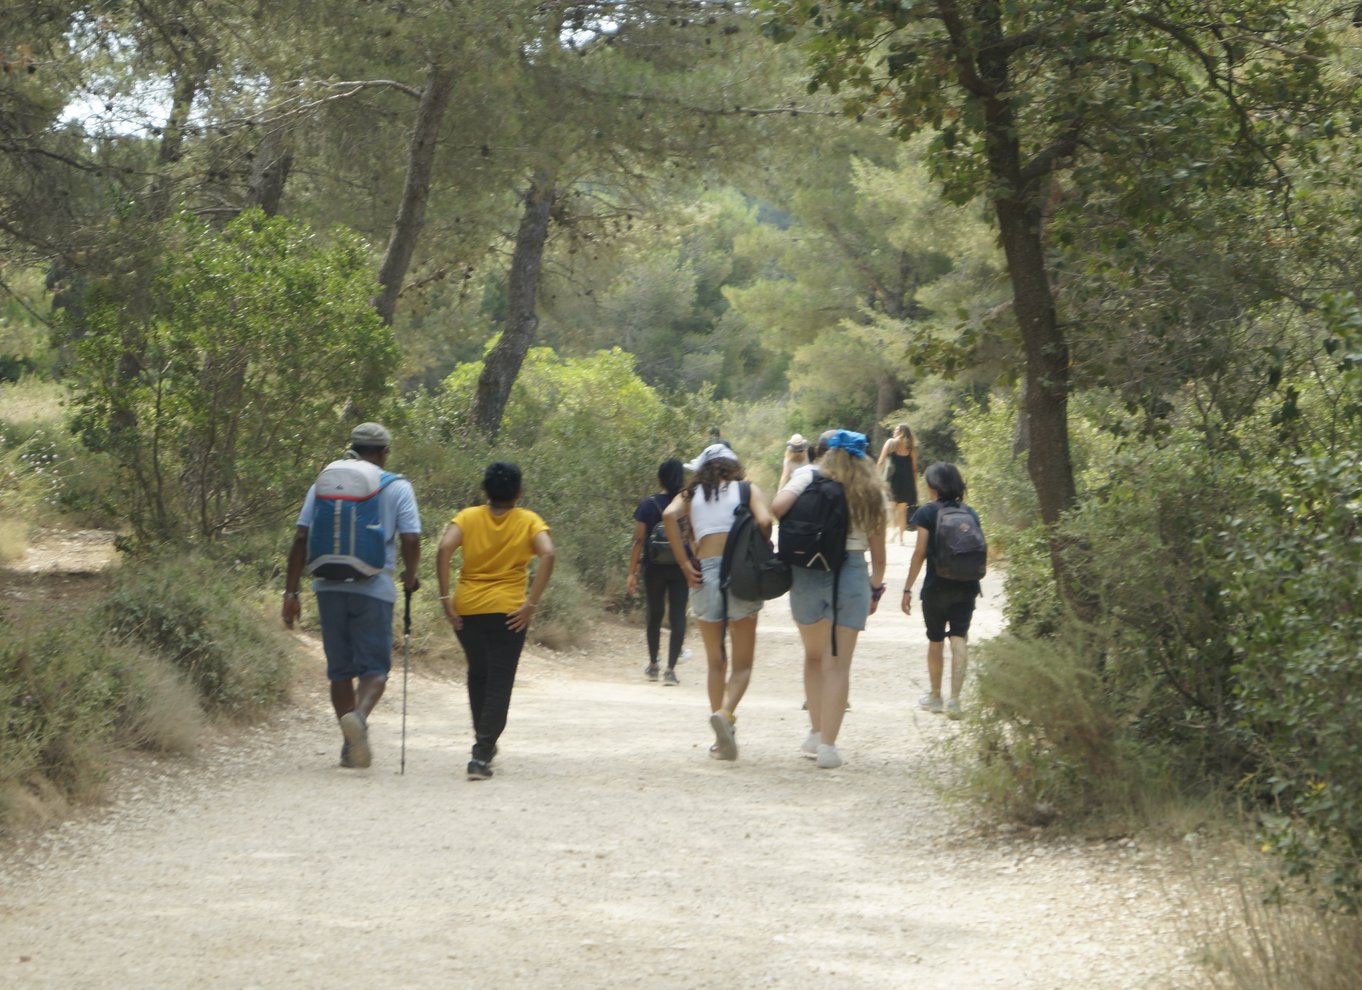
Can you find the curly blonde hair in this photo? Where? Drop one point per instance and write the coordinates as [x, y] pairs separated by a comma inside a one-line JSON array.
[[862, 486]]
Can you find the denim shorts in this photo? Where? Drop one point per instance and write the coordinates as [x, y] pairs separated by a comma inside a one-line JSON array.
[[811, 593], [357, 634], [707, 601]]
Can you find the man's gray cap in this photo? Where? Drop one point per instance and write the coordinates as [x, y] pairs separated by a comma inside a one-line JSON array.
[[371, 435]]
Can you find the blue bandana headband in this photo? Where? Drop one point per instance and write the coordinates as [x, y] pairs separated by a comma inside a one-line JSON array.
[[852, 443]]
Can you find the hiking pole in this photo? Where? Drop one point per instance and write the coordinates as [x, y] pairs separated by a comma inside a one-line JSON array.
[[406, 643]]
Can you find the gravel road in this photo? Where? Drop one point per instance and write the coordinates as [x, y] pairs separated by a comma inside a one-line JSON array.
[[608, 851]]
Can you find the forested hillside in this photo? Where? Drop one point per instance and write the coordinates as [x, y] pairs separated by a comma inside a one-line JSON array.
[[1104, 256]]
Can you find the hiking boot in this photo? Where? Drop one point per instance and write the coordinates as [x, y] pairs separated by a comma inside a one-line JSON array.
[[931, 703], [828, 757], [345, 760], [809, 747], [357, 738], [478, 770], [953, 709], [650, 671], [669, 678], [724, 739]]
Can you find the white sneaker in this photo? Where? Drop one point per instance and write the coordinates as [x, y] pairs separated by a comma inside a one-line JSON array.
[[809, 747], [931, 703], [683, 656], [828, 757], [953, 708]]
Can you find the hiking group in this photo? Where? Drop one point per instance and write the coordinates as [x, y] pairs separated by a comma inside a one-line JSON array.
[[703, 546], [829, 513]]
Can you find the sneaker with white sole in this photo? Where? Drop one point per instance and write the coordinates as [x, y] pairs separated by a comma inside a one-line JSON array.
[[650, 671], [953, 709], [725, 741], [669, 679], [478, 770], [931, 703], [828, 757], [683, 656], [356, 734], [809, 747]]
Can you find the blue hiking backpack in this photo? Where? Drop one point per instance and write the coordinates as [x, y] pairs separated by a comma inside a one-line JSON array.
[[346, 540]]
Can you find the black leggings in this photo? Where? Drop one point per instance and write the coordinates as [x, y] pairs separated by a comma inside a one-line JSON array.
[[493, 653], [664, 584]]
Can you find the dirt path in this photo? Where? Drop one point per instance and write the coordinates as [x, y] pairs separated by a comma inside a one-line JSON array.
[[608, 851]]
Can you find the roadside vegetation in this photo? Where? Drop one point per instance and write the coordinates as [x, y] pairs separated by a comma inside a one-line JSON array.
[[1105, 259]]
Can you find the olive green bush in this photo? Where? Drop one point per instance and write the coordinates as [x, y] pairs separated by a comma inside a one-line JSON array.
[[232, 381], [189, 612], [587, 434]]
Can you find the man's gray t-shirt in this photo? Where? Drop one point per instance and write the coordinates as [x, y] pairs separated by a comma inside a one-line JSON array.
[[398, 513]]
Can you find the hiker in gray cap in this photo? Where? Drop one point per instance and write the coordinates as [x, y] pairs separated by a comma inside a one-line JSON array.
[[353, 520]]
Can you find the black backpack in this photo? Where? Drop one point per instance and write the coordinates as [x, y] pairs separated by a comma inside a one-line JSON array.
[[657, 549], [750, 569], [813, 533], [961, 551]]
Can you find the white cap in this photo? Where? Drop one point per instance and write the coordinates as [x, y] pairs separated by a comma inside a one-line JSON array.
[[714, 452]]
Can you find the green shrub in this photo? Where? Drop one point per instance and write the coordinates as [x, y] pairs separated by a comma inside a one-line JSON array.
[[189, 612], [228, 378], [59, 703], [587, 434], [1299, 664]]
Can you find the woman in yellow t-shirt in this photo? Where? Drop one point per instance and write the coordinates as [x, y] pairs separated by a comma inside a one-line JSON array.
[[489, 609]]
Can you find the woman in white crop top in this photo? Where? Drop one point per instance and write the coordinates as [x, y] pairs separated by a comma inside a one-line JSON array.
[[704, 509]]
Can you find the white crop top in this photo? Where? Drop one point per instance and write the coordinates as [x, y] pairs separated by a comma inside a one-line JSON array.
[[714, 515]]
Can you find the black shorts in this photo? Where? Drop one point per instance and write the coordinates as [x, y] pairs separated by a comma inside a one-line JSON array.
[[948, 610]]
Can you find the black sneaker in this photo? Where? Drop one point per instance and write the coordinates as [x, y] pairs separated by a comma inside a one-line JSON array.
[[650, 672], [669, 679], [478, 770]]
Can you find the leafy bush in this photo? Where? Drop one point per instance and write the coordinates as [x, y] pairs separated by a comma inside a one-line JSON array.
[[588, 435], [230, 383], [188, 612], [1299, 664]]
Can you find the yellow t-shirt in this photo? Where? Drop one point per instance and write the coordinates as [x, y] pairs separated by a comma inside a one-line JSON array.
[[497, 551]]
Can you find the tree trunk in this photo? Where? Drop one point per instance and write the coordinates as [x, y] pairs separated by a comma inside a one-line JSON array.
[[1017, 200], [411, 213], [269, 171], [503, 363], [888, 397]]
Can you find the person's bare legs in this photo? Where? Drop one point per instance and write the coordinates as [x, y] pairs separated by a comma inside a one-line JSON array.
[[936, 663], [816, 640], [959, 661], [712, 634], [836, 676], [743, 636], [901, 518]]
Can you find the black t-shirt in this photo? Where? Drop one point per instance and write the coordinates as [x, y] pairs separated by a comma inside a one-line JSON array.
[[925, 517]]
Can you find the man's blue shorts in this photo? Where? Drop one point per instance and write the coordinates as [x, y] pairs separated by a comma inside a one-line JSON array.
[[357, 634]]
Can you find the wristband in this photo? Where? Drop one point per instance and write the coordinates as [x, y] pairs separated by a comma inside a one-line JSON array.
[[290, 594], [876, 593]]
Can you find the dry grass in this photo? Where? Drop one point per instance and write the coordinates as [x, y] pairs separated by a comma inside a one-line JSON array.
[[13, 539], [31, 402], [1246, 943]]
